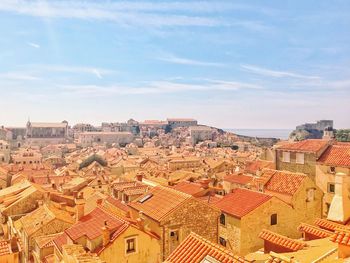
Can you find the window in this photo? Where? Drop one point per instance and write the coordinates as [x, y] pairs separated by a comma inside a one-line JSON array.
[[130, 245], [222, 241], [332, 169], [331, 188], [300, 158], [286, 157], [223, 219], [310, 194], [273, 219]]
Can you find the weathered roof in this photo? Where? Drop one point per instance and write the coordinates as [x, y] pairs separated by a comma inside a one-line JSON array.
[[195, 248], [336, 155], [159, 202], [241, 202], [283, 182], [308, 146], [238, 179], [341, 237], [282, 241], [314, 230]]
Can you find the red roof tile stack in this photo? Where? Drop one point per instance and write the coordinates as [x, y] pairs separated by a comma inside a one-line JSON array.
[[314, 230], [341, 237], [241, 202], [329, 225], [282, 241], [195, 248]]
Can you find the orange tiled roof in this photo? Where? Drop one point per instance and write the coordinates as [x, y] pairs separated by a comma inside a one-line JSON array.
[[310, 146], [5, 248], [161, 202], [341, 237], [329, 225], [238, 179], [188, 187], [336, 155], [195, 248], [314, 230], [91, 225], [282, 241], [241, 202], [253, 166], [283, 182], [117, 203]]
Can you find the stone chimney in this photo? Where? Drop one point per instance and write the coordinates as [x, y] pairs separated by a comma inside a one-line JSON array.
[[139, 177], [328, 133], [339, 210], [141, 221], [79, 207], [105, 234]]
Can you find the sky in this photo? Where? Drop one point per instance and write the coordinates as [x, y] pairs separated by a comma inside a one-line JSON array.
[[230, 64]]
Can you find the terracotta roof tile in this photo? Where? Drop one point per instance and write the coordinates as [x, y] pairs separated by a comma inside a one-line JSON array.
[[341, 237], [188, 187], [314, 230], [161, 201], [310, 146], [195, 248], [336, 155], [117, 203], [282, 241], [241, 202], [5, 248], [253, 166], [283, 182], [329, 225], [238, 179], [91, 224]]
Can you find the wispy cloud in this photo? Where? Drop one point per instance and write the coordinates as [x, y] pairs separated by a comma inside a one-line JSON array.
[[276, 74], [185, 61], [157, 87], [21, 76], [34, 45]]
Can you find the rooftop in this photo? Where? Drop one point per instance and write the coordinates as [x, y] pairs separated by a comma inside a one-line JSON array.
[[307, 146], [282, 241], [336, 155], [195, 248], [241, 202], [159, 202]]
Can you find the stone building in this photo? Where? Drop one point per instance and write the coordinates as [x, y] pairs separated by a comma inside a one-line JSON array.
[[27, 156], [200, 134], [301, 156], [42, 134], [86, 139], [336, 159], [244, 213], [173, 215], [5, 152], [184, 163], [175, 123], [320, 125]]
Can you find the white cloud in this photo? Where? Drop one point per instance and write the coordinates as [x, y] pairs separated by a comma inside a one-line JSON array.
[[275, 73], [21, 76], [34, 45], [185, 61]]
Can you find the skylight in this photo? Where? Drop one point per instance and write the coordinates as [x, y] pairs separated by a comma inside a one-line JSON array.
[[145, 198]]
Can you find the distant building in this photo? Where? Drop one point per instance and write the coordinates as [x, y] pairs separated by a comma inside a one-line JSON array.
[[320, 125], [4, 152], [201, 133], [42, 134], [90, 138], [175, 123]]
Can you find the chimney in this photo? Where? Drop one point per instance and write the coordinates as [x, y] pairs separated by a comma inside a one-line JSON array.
[[205, 183], [339, 210], [141, 221], [105, 234], [139, 177], [79, 207]]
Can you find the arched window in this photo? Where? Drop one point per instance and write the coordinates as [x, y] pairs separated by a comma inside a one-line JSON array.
[[223, 219]]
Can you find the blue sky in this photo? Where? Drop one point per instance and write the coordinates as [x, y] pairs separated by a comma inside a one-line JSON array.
[[231, 64]]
